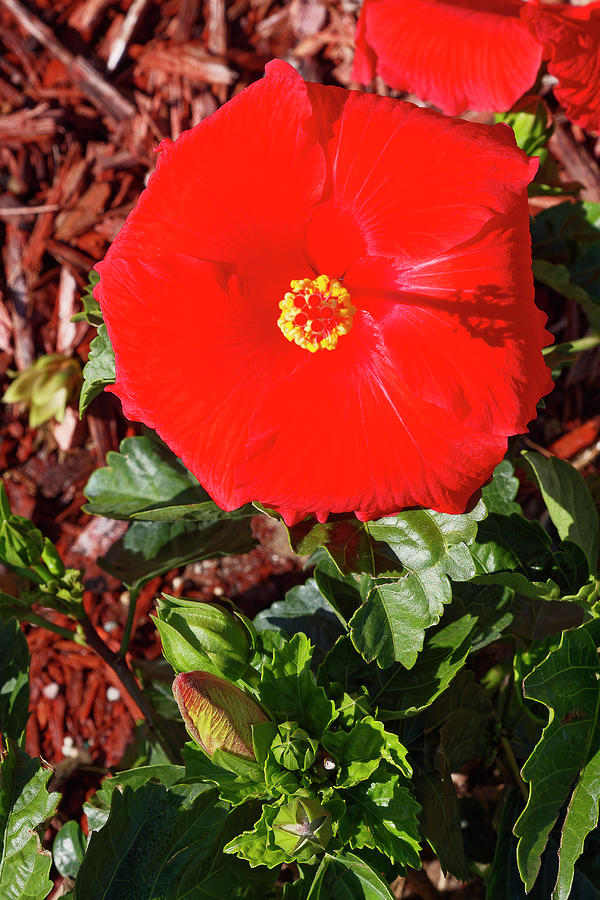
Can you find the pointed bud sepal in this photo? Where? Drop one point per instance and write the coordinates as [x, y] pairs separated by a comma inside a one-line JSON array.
[[302, 828], [217, 714], [293, 748], [198, 635]]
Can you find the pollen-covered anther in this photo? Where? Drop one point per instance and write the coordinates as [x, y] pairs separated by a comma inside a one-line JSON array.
[[316, 312]]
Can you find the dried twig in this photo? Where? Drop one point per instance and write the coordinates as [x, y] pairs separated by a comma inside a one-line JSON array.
[[128, 26], [103, 95], [578, 162], [17, 291]]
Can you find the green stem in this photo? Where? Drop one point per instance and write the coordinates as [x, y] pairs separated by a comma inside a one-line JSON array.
[[34, 619], [119, 666], [514, 767], [133, 595]]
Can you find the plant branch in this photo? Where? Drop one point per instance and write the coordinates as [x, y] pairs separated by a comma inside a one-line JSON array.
[[514, 767], [119, 666], [133, 595], [43, 622]]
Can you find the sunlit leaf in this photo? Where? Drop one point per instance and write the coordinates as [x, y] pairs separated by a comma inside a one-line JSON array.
[[99, 371], [25, 805], [569, 503], [14, 680], [565, 764]]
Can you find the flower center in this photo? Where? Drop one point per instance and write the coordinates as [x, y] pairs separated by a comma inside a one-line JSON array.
[[315, 312]]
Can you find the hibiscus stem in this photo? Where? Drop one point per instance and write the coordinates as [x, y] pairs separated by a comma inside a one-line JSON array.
[[119, 666], [133, 595]]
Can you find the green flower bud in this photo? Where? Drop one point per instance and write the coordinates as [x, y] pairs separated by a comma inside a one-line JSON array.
[[293, 748], [46, 387], [51, 559], [217, 714], [302, 828], [197, 635]]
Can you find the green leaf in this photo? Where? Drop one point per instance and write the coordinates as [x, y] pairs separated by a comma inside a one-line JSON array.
[[565, 764], [432, 547], [304, 609], [558, 277], [490, 605], [69, 848], [163, 843], [14, 681], [381, 813], [289, 691], [517, 553], [423, 539], [531, 128], [257, 845], [504, 882], [441, 822], [559, 232], [21, 543], [25, 805], [97, 807], [344, 592], [390, 626], [99, 371], [512, 543], [152, 548], [465, 713], [340, 876], [396, 692], [92, 314], [234, 788], [142, 475], [357, 752], [499, 495], [569, 502], [206, 511], [348, 542], [559, 356]]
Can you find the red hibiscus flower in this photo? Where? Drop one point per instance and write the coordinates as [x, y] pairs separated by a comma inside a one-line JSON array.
[[456, 54], [571, 39], [323, 301]]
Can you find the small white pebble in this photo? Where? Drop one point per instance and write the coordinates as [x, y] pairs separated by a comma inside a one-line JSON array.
[[328, 764], [51, 691], [110, 626], [68, 749], [218, 591], [112, 694], [177, 583]]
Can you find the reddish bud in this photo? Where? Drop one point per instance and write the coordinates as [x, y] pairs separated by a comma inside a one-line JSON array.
[[217, 714]]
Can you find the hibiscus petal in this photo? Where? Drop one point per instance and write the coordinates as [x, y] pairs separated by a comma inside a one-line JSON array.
[[356, 438], [456, 54], [240, 186], [464, 332], [413, 182], [193, 356], [571, 39]]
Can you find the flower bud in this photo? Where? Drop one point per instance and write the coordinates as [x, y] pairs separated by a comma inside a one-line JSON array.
[[302, 828], [293, 748], [198, 635], [46, 387], [217, 714]]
